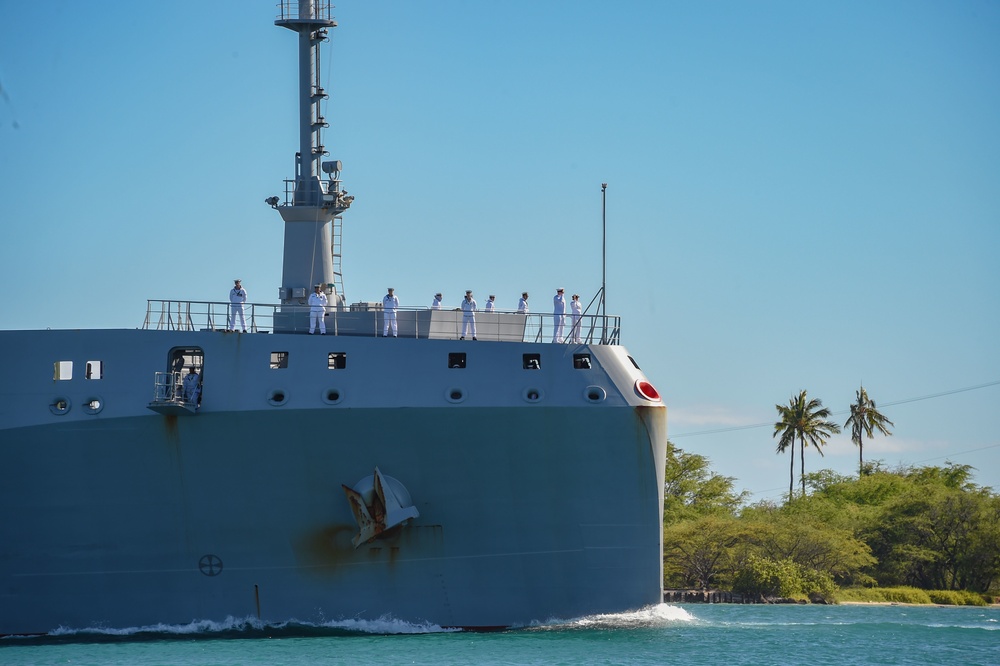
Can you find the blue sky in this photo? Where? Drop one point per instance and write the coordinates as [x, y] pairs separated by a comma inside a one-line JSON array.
[[800, 195]]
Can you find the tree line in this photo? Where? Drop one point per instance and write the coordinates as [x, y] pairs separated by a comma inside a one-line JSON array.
[[930, 527]]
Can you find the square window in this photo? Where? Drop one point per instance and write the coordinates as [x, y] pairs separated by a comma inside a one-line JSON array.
[[531, 361], [456, 360], [336, 360], [279, 360], [581, 361], [62, 370], [95, 369]]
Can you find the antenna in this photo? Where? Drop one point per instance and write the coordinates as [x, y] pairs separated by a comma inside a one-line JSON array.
[[602, 308]]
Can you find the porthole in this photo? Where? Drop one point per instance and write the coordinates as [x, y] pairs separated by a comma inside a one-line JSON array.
[[595, 394], [277, 397], [93, 405], [332, 396], [532, 394], [59, 406], [454, 395]]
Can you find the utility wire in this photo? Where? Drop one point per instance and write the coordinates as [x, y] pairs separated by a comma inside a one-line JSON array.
[[844, 411]]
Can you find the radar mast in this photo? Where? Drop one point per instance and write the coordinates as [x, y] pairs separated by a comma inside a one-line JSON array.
[[313, 200]]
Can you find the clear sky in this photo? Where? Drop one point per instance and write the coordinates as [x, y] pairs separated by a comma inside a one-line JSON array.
[[801, 195]]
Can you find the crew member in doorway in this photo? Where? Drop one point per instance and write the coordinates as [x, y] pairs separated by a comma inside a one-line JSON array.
[[468, 315], [192, 386], [317, 310], [237, 297], [389, 305]]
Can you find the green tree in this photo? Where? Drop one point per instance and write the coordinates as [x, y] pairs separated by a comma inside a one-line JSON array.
[[865, 419], [692, 489], [815, 533], [765, 577], [940, 531], [696, 553], [806, 420]]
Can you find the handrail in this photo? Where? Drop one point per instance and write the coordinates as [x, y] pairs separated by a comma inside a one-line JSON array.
[[366, 319]]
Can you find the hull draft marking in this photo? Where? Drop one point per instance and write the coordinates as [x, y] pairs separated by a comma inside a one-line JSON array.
[[210, 565], [379, 503]]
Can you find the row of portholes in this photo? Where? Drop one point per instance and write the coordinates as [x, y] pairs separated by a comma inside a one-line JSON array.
[[62, 405], [279, 397], [594, 394]]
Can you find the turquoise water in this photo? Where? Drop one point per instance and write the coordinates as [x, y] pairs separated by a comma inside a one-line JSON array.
[[664, 634]]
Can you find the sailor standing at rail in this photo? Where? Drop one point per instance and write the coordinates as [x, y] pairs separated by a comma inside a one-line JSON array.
[[577, 314], [522, 305], [558, 313], [436, 305], [468, 315], [389, 305], [491, 304], [237, 297], [317, 310]]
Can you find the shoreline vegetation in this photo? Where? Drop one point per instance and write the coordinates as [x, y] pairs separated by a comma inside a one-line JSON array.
[[911, 535], [889, 596]]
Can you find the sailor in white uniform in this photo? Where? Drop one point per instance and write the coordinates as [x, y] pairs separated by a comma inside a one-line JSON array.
[[576, 315], [491, 304], [191, 387], [468, 315], [317, 310], [237, 297], [522, 305], [389, 305], [558, 313], [436, 305]]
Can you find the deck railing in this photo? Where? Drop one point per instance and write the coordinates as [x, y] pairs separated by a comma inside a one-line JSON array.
[[366, 319]]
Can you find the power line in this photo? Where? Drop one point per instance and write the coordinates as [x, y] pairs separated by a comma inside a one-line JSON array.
[[959, 453], [938, 395], [845, 411]]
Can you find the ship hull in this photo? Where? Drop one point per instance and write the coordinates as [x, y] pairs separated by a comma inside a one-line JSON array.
[[527, 513]]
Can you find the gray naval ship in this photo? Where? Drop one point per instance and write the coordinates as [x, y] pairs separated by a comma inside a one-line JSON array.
[[180, 472]]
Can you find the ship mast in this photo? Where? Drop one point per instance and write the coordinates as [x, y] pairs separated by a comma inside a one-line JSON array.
[[312, 205]]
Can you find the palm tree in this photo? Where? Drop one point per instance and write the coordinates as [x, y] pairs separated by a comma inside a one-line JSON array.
[[787, 441], [865, 419], [806, 420]]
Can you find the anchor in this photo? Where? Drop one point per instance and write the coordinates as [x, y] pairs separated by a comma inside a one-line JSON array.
[[389, 506]]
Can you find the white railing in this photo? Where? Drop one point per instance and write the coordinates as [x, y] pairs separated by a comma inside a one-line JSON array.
[[366, 319]]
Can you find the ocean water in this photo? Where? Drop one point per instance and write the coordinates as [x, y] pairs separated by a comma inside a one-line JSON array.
[[664, 634]]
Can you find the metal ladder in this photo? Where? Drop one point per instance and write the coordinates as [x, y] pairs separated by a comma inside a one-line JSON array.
[[335, 246]]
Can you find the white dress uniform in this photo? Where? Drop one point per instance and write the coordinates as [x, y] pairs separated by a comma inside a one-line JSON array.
[[522, 305], [577, 314], [389, 305], [237, 297], [558, 313], [468, 316], [436, 305], [191, 388], [317, 312], [490, 305]]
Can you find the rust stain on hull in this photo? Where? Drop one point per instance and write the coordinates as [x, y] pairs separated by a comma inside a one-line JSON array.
[[328, 551]]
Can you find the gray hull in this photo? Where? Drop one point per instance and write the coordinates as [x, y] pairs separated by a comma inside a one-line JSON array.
[[528, 510]]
